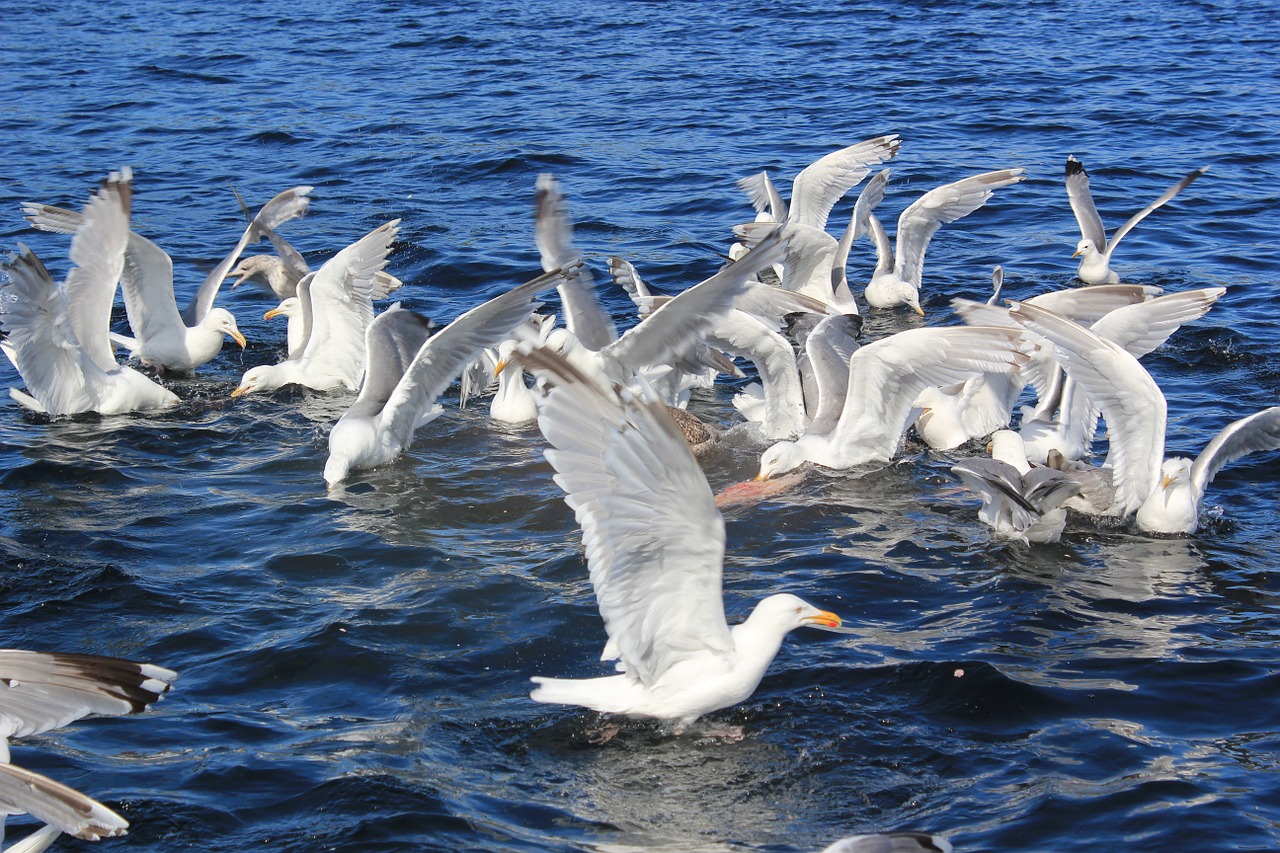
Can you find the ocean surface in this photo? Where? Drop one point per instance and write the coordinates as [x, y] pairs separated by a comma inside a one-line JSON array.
[[355, 666]]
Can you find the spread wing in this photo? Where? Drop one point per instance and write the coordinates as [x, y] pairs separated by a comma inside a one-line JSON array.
[[342, 305], [583, 314], [40, 691], [1260, 431], [1082, 205], [63, 809], [40, 341], [98, 250], [654, 539], [444, 355], [947, 203], [1121, 388], [885, 378], [1142, 214], [825, 181]]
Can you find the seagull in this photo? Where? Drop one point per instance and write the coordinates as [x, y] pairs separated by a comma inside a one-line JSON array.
[[654, 541], [814, 263], [56, 335], [1174, 507], [1019, 501], [900, 265], [885, 378], [680, 324], [296, 309], [1165, 492], [407, 370], [286, 205], [1094, 250], [341, 308], [1139, 329], [40, 691]]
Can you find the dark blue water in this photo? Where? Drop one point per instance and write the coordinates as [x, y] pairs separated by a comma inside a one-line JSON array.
[[355, 669]]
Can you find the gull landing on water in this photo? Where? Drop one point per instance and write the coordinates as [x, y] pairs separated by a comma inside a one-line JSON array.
[[1094, 250], [655, 546]]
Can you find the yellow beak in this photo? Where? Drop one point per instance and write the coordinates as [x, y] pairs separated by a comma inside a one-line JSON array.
[[501, 366], [238, 338], [273, 313], [243, 389], [824, 619], [1076, 253], [1166, 482]]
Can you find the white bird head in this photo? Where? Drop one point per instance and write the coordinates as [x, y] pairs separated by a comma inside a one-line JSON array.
[[1085, 248], [222, 320], [787, 612], [780, 458], [285, 309], [260, 378]]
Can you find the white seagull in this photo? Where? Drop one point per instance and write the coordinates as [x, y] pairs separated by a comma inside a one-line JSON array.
[[57, 335], [1166, 493], [885, 378], [341, 309], [1094, 250], [407, 370], [654, 541], [900, 265]]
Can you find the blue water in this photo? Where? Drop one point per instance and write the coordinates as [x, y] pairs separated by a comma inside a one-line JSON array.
[[354, 669]]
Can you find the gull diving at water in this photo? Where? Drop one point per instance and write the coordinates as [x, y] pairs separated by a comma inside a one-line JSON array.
[[1094, 250], [885, 378], [654, 541], [1019, 501], [408, 370], [56, 335], [41, 691]]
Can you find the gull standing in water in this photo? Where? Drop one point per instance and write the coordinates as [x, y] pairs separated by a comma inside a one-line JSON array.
[[654, 541], [407, 370], [340, 294], [40, 691], [900, 265], [1094, 250], [1164, 493], [57, 335]]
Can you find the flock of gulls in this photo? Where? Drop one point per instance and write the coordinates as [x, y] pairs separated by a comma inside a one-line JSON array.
[[612, 405]]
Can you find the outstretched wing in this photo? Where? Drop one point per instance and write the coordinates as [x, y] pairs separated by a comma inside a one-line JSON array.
[[653, 536], [1260, 431]]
